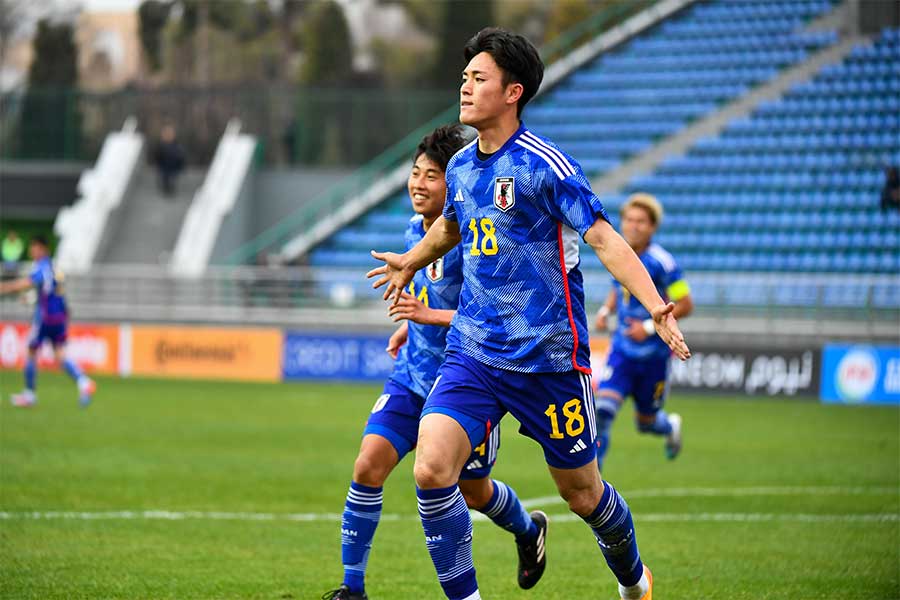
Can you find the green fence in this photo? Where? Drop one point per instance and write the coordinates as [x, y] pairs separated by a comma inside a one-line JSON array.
[[294, 124]]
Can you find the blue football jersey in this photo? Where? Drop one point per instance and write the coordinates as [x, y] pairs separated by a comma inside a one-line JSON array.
[[670, 283], [51, 306], [437, 286], [521, 212]]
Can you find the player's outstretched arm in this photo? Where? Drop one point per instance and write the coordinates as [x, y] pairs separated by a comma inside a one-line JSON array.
[[621, 261], [601, 322], [399, 269], [409, 308], [21, 284], [397, 339]]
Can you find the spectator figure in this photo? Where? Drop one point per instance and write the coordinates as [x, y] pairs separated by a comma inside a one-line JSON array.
[[12, 249], [169, 159], [890, 193], [290, 141]]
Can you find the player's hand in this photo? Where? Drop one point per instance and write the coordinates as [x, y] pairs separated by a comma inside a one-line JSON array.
[[409, 308], [392, 273], [601, 322], [634, 328], [396, 341], [667, 329]]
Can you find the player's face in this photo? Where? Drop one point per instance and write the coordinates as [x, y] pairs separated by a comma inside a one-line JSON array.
[[427, 187], [36, 251], [637, 227], [482, 95]]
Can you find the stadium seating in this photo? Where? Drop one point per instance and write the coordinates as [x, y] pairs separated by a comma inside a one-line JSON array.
[[793, 188], [711, 53]]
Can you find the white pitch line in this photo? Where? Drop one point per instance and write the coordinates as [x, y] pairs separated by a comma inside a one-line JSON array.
[[750, 517], [731, 492], [167, 515]]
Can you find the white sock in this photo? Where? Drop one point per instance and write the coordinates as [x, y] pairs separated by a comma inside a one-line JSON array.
[[636, 591]]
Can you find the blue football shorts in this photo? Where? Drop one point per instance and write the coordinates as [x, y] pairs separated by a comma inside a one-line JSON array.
[[56, 334], [645, 380], [554, 409], [395, 417]]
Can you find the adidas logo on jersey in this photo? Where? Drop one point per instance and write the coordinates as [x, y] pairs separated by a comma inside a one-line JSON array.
[[459, 197], [578, 447], [475, 464]]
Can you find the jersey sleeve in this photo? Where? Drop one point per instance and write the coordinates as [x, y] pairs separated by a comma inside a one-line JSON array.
[[571, 201], [673, 281], [37, 276], [449, 211]]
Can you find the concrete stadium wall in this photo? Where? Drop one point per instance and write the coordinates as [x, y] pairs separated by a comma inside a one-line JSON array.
[[268, 196], [37, 190]]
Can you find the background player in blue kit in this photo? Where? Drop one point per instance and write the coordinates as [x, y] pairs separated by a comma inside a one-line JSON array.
[[518, 342], [427, 308], [638, 362], [51, 320]]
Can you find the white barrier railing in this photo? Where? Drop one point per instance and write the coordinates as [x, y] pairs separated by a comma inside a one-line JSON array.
[[212, 202], [101, 189], [342, 298]]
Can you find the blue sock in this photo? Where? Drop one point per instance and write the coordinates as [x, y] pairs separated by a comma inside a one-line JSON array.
[[614, 530], [448, 535], [30, 373], [660, 426], [606, 409], [505, 510], [72, 369], [361, 514]]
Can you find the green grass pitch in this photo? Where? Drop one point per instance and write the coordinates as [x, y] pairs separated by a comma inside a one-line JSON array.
[[770, 499]]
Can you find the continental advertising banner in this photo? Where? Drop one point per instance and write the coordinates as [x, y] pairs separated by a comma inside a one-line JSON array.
[[95, 348], [856, 374], [329, 356], [205, 352]]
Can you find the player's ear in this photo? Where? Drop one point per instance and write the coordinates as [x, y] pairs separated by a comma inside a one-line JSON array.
[[514, 91]]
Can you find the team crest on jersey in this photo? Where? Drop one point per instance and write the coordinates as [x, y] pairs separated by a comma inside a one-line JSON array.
[[504, 193], [435, 271]]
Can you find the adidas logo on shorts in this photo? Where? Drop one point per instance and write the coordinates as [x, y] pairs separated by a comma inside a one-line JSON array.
[[578, 447]]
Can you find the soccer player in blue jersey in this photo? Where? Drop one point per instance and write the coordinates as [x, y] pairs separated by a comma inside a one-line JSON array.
[[51, 318], [519, 340], [426, 308], [638, 362]]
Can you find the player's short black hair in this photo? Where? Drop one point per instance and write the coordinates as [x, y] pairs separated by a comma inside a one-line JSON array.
[[514, 54], [39, 239], [441, 144]]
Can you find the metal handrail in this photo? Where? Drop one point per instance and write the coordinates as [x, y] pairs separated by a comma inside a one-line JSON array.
[[343, 297]]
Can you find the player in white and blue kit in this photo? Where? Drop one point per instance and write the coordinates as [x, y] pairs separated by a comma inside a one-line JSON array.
[[50, 323], [638, 362], [426, 308], [518, 343]]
